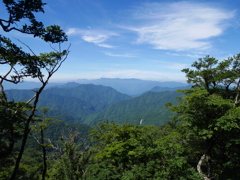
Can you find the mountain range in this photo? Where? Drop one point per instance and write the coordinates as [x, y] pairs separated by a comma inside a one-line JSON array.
[[88, 103], [76, 102], [132, 87]]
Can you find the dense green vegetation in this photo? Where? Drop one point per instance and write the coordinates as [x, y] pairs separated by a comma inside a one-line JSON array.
[[16, 117], [210, 112], [55, 137], [149, 107]]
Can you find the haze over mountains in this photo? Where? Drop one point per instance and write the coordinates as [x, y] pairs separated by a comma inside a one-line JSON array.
[[88, 103], [132, 87]]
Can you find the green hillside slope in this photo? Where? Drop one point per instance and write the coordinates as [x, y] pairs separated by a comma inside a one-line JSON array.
[[89, 103], [75, 103], [150, 107]]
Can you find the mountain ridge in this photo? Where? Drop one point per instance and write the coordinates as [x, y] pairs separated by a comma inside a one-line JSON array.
[[78, 101], [132, 87], [88, 103], [149, 107]]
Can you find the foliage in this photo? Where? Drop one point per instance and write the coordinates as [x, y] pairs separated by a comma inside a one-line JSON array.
[[150, 107], [17, 116], [137, 152], [210, 110], [31, 166], [202, 141], [72, 165]]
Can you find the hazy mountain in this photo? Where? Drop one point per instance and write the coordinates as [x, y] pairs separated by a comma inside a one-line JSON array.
[[88, 103], [131, 87], [69, 85], [27, 85], [161, 89]]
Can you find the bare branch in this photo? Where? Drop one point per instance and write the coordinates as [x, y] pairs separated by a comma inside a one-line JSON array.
[[26, 46], [1, 84], [59, 65]]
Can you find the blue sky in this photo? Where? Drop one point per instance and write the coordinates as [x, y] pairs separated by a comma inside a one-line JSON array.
[[144, 39]]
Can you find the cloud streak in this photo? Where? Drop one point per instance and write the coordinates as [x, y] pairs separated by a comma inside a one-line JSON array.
[[180, 26], [91, 36], [120, 55], [191, 55]]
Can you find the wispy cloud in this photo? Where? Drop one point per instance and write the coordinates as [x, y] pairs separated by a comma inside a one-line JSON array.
[[105, 45], [199, 55], [92, 36], [120, 55], [95, 38], [179, 26], [73, 31]]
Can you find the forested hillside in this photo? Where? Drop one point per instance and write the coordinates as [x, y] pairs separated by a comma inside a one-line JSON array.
[[90, 103], [148, 108], [77, 102]]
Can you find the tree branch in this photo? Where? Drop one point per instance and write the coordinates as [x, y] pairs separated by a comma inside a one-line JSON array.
[[237, 91], [199, 169], [1, 85]]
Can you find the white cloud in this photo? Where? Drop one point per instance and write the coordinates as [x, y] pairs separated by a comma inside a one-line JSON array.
[[105, 45], [120, 55], [72, 31], [96, 37], [179, 26]]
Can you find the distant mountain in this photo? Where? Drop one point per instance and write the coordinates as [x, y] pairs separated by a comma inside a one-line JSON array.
[[88, 103], [131, 87], [149, 107], [74, 103], [28, 85], [161, 89], [69, 85]]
